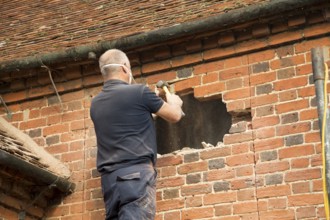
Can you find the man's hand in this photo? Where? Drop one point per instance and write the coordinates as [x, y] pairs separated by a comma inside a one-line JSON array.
[[173, 99]]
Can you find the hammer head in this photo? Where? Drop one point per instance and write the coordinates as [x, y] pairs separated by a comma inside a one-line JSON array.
[[161, 84]]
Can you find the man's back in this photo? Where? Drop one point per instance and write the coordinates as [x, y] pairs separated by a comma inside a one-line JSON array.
[[123, 124]]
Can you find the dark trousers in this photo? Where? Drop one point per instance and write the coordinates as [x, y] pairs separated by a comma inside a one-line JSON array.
[[130, 193]]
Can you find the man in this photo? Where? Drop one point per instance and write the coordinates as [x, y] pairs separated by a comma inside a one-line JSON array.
[[126, 139]]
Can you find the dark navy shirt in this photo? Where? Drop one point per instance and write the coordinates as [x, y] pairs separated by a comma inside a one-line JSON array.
[[124, 127]]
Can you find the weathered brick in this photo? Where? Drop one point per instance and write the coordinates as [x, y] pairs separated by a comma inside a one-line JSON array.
[[221, 186], [193, 178], [294, 140], [197, 189], [191, 157], [260, 67], [52, 140], [216, 163], [171, 193], [268, 156], [264, 89], [274, 179], [286, 73]]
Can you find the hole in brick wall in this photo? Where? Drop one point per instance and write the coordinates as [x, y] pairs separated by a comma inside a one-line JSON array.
[[205, 121]]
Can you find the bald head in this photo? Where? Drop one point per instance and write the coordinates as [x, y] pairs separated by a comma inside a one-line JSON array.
[[112, 56]]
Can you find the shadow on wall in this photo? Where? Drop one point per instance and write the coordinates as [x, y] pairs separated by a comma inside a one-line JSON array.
[[205, 121]]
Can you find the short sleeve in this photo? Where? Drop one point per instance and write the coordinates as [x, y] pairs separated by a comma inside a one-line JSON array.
[[152, 102]]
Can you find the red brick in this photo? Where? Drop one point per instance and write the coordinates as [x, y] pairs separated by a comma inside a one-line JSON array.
[[241, 159], [297, 20], [92, 80], [170, 182], [219, 198], [234, 73], [72, 136], [261, 30], [304, 69], [273, 191], [245, 207], [208, 67], [305, 199], [72, 96], [210, 77], [195, 201], [268, 144], [246, 194], [237, 138], [170, 204], [249, 45], [192, 167], [308, 45], [277, 203], [170, 160], [220, 174], [293, 128], [209, 89], [51, 110], [173, 215], [218, 53], [14, 97], [296, 151], [197, 213], [317, 30], [226, 39], [72, 116], [237, 94], [167, 76], [41, 91], [272, 167], [265, 121], [262, 78], [69, 85], [31, 104], [242, 183], [264, 100], [301, 187], [284, 37], [187, 59], [35, 123], [222, 210], [199, 189], [290, 83], [167, 171], [264, 133], [235, 62], [187, 84], [306, 174], [156, 66], [277, 214], [306, 92], [287, 95], [306, 212], [214, 153], [300, 163], [244, 171], [55, 129], [292, 106], [312, 137], [261, 56]]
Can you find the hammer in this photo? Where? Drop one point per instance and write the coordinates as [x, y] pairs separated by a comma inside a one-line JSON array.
[[164, 85]]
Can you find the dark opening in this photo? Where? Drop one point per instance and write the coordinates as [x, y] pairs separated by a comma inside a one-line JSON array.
[[205, 121]]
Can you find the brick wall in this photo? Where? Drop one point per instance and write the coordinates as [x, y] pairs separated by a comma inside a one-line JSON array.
[[268, 167]]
